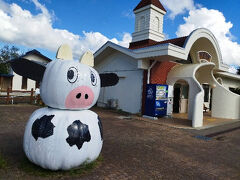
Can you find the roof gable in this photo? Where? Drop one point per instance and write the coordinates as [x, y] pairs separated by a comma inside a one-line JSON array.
[[144, 3]]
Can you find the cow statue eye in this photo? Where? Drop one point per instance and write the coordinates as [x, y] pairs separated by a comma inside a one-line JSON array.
[[72, 75], [93, 79]]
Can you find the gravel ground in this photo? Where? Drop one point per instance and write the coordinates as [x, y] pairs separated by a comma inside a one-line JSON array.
[[132, 149]]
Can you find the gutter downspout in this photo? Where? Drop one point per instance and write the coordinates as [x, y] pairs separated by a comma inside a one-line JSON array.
[[149, 71]]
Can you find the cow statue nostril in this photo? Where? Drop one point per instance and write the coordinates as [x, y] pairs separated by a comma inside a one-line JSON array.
[[86, 96], [78, 96]]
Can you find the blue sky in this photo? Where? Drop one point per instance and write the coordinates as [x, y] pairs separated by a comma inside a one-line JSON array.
[[87, 24]]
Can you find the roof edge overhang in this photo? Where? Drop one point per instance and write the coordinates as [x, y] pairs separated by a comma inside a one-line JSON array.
[[113, 46], [174, 52], [168, 49]]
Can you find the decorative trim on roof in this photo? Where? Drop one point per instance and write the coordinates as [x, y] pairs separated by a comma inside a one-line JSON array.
[[144, 3]]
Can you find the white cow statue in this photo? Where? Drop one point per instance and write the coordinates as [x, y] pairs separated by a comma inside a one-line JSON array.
[[65, 134]]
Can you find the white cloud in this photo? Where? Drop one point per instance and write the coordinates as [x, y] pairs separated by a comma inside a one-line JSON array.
[[166, 36], [177, 7], [127, 38], [233, 69], [42, 8], [19, 26], [4, 6], [94, 40], [215, 21]]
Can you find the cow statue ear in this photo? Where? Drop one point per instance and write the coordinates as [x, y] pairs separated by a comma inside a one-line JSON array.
[[64, 52], [87, 58], [28, 69], [108, 79]]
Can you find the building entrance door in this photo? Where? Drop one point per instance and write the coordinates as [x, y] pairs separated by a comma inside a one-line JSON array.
[[176, 99]]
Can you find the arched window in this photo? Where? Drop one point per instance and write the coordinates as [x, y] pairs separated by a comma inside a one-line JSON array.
[[138, 25], [156, 24], [142, 23], [204, 56]]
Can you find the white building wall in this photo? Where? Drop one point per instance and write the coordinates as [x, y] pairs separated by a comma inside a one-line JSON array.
[[128, 91], [225, 104], [31, 85], [229, 83], [17, 82]]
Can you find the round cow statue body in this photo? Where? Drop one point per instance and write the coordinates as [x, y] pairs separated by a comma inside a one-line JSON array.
[[65, 134]]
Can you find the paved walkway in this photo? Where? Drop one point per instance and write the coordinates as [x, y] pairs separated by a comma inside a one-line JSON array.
[[181, 121], [134, 149], [208, 120]]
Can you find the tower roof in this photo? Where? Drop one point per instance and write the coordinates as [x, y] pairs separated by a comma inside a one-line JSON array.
[[144, 3]]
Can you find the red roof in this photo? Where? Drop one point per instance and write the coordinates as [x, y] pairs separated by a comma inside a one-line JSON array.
[[144, 3], [146, 43]]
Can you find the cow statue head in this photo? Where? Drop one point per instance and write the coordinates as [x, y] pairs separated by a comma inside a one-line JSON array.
[[65, 83]]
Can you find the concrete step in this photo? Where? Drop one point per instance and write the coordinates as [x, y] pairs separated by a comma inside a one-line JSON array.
[[217, 129]]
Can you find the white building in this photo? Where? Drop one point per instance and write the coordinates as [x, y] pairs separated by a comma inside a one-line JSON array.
[[192, 64], [20, 83]]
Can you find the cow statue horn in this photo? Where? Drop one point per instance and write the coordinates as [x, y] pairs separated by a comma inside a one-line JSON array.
[[87, 58], [64, 52]]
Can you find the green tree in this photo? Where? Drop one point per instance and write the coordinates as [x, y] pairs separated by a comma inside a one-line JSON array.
[[7, 53]]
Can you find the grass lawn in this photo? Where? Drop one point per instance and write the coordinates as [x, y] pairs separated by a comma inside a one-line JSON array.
[[3, 163], [32, 169]]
